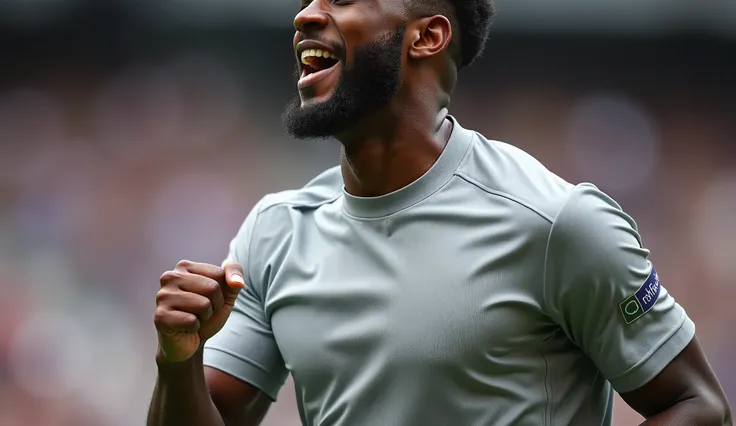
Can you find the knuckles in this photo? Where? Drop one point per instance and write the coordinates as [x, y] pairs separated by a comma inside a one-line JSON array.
[[184, 264], [219, 271], [170, 276], [190, 322], [204, 306], [210, 287], [163, 296], [160, 316]]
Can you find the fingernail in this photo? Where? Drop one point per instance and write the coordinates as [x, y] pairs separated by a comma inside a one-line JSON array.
[[237, 279]]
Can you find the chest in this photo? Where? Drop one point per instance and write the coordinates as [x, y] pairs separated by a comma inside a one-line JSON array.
[[405, 293]]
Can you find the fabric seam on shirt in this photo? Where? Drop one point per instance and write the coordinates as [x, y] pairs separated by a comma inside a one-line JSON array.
[[531, 208], [241, 358], [260, 211], [250, 246], [455, 173], [509, 197], [546, 252], [652, 351], [548, 407], [272, 395], [370, 219], [294, 203]]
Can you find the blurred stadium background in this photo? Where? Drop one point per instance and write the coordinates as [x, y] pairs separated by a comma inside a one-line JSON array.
[[134, 134]]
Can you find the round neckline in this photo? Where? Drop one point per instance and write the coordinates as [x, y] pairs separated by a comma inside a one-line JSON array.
[[430, 182]]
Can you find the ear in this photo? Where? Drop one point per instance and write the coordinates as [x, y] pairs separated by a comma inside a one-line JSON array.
[[429, 36]]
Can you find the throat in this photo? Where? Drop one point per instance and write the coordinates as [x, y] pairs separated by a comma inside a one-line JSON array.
[[377, 167]]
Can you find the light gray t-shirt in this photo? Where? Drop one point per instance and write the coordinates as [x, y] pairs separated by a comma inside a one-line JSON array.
[[489, 292]]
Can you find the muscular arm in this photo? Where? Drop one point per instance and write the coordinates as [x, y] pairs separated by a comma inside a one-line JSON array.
[[686, 392], [188, 394], [239, 403], [595, 262]]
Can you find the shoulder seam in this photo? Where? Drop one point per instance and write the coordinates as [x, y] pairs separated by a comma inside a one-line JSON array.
[[509, 197], [545, 286], [293, 203], [547, 249], [250, 246]]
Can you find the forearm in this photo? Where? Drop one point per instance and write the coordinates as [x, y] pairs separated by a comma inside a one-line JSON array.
[[181, 398], [691, 412]]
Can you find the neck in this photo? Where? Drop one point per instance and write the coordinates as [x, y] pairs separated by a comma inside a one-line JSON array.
[[384, 158]]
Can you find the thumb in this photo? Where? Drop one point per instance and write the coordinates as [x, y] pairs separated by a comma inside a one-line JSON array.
[[234, 276]]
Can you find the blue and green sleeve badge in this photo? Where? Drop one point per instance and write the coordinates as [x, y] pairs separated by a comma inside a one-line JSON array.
[[641, 302]]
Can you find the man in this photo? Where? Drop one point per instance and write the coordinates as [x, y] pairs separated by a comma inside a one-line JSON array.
[[435, 277]]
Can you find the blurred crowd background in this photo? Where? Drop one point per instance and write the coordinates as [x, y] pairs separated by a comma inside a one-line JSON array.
[[135, 134]]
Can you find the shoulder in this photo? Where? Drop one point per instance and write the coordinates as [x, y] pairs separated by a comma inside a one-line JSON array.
[[573, 215], [323, 189], [503, 170], [594, 247], [593, 224], [268, 229], [587, 207], [276, 214]]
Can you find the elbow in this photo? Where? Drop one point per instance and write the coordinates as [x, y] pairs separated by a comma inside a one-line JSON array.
[[703, 410], [722, 416], [717, 411], [726, 414]]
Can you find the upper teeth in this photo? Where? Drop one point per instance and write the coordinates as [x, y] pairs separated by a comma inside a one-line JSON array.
[[316, 53]]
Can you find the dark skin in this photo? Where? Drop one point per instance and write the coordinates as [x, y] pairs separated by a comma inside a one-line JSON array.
[[394, 146], [383, 152]]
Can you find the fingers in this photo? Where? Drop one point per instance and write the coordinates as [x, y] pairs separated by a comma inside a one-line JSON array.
[[199, 289], [193, 303], [204, 286], [205, 269], [171, 322], [231, 271], [182, 301]]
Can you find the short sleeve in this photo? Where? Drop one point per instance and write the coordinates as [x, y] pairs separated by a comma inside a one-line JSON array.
[[601, 288], [245, 348]]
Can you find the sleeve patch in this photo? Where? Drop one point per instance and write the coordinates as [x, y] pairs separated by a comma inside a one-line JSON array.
[[641, 302]]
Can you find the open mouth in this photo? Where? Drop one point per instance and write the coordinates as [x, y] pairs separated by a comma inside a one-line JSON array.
[[315, 60], [316, 64]]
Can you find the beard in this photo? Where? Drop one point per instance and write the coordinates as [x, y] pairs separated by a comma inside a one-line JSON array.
[[365, 87]]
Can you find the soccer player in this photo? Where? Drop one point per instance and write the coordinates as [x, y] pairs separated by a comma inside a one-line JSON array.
[[435, 277]]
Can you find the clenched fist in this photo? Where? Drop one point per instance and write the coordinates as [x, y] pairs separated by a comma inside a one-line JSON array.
[[193, 304]]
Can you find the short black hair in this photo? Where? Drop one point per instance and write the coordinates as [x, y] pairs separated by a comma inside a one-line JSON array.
[[471, 21]]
